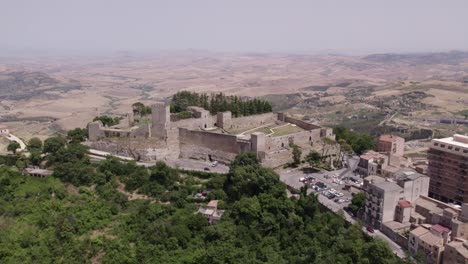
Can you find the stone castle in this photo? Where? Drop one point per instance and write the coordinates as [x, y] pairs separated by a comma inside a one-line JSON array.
[[204, 136]]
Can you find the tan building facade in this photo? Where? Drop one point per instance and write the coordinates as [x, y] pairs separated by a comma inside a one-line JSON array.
[[391, 199], [392, 145], [448, 169]]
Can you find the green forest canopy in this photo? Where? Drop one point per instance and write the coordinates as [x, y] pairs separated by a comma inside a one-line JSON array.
[[82, 214], [358, 142], [219, 103]]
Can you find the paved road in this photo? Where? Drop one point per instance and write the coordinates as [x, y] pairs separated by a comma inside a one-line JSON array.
[[292, 177]]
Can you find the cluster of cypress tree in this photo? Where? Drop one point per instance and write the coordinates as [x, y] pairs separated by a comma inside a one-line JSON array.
[[219, 103]]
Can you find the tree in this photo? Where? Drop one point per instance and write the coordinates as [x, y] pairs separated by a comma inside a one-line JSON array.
[[107, 120], [138, 108], [464, 113], [77, 134], [358, 142], [296, 153], [245, 159], [53, 144], [35, 144], [358, 202], [313, 158], [13, 146]]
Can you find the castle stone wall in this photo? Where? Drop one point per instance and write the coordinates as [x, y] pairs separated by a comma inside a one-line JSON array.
[[302, 124], [248, 122], [203, 145]]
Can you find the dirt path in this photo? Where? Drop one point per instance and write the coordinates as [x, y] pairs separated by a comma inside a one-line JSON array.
[[12, 137]]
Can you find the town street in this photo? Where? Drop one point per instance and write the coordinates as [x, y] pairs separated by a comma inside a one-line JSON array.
[[291, 178]]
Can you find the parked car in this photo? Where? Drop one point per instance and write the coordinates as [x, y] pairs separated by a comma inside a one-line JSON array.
[[206, 169], [214, 163], [302, 179], [370, 229]]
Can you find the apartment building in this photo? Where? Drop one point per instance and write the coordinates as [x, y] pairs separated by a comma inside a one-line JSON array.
[[430, 240], [391, 145], [390, 199], [456, 252], [448, 169]]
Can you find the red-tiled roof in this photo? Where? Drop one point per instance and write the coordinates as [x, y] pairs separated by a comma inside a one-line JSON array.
[[372, 155], [441, 228], [404, 204]]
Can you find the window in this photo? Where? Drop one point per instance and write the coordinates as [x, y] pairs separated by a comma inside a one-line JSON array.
[[457, 149], [442, 145], [465, 151], [450, 147], [436, 144]]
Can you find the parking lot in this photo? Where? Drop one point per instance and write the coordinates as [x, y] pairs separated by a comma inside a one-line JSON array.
[[332, 180]]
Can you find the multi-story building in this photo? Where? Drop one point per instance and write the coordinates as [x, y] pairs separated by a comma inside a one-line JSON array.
[[372, 163], [456, 252], [430, 241], [385, 195], [448, 169], [392, 145]]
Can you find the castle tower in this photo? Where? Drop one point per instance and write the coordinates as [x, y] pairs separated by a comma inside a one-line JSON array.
[[95, 130], [258, 143], [160, 117], [224, 120]]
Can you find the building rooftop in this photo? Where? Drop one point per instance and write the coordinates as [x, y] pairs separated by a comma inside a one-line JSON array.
[[432, 239], [38, 171], [419, 231], [388, 186], [441, 229], [372, 155], [213, 203], [389, 138], [407, 174], [374, 179], [461, 247], [456, 140]]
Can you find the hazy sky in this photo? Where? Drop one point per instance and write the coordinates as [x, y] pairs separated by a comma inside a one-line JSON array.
[[357, 26]]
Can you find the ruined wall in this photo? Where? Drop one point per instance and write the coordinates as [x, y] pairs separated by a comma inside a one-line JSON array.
[[302, 124], [194, 123], [142, 131], [327, 132], [248, 122], [302, 139], [95, 131]]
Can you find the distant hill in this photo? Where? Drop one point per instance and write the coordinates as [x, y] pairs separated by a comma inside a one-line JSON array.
[[453, 57], [21, 85]]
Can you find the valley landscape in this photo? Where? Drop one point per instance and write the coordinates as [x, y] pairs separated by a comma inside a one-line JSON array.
[[43, 95]]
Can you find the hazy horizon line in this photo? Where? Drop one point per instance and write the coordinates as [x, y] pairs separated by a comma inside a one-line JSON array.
[[24, 52]]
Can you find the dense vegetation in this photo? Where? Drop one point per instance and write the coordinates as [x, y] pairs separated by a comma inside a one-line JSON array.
[[219, 103], [141, 109], [85, 213], [358, 142], [107, 120], [464, 113]]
